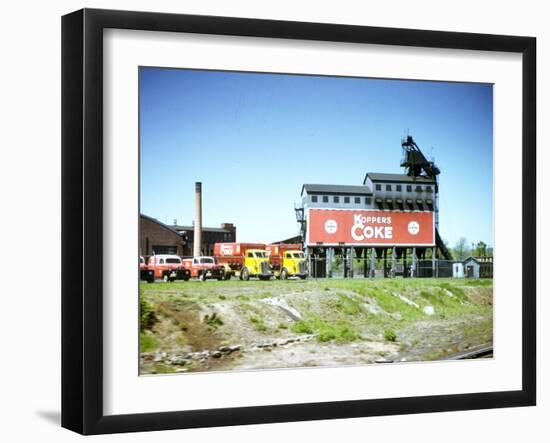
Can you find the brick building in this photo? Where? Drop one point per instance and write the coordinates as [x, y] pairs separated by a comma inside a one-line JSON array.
[[157, 237], [227, 232]]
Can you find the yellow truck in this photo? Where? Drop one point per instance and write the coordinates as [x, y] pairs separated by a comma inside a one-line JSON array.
[[287, 260], [243, 260]]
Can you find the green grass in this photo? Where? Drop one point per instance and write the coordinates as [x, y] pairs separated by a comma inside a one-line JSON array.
[[390, 335], [147, 343], [147, 314], [478, 282], [258, 323], [213, 320], [159, 368], [391, 303], [339, 331], [346, 305]]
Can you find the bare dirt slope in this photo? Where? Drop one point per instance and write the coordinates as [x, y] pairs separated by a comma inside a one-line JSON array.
[[204, 326]]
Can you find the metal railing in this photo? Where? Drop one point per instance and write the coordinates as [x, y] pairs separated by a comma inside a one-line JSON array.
[[345, 267]]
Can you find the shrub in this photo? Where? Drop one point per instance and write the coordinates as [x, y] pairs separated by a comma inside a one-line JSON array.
[[340, 331], [147, 343], [259, 325], [147, 317], [302, 327], [213, 320], [390, 335]]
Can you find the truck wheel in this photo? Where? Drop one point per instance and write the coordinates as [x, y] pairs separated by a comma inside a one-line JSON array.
[[303, 277], [202, 276], [227, 276], [245, 274], [284, 274]]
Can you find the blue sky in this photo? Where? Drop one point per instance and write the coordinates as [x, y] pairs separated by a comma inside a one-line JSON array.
[[254, 139]]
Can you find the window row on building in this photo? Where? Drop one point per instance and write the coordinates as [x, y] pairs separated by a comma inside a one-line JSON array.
[[340, 199], [399, 188]]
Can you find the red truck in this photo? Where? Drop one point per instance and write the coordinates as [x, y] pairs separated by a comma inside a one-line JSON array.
[[243, 260], [168, 267], [144, 272], [287, 260], [204, 268]]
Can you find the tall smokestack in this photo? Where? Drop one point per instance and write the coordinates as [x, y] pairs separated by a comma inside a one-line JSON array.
[[198, 220]]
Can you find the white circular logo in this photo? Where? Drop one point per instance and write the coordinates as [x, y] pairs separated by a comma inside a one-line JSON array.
[[331, 226], [414, 228]]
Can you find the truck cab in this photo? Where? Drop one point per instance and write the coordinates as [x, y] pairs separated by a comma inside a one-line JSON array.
[[168, 267], [287, 260], [294, 264], [144, 272], [204, 268], [243, 260], [255, 264]]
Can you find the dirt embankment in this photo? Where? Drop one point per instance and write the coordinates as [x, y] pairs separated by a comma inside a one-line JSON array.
[[252, 325]]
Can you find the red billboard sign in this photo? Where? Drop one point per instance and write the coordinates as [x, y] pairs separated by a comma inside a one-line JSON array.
[[374, 228]]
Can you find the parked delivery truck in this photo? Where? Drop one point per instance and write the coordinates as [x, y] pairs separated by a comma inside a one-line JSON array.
[[204, 268], [243, 260], [144, 272], [168, 267], [286, 260]]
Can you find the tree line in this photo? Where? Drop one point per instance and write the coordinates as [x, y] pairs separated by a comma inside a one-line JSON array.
[[463, 249]]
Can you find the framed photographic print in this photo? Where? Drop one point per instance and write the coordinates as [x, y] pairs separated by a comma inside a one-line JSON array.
[[268, 221]]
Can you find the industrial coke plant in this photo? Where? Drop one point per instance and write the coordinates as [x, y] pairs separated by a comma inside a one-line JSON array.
[[390, 217], [323, 240]]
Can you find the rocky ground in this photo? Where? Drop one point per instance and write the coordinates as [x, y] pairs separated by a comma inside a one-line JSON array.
[[212, 326]]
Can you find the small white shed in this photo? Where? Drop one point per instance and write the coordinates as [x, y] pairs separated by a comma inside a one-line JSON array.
[[471, 268], [458, 270]]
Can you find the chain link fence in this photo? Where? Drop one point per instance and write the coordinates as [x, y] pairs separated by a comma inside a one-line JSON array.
[[321, 266]]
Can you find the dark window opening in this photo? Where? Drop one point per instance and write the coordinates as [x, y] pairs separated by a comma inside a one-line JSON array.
[[409, 188], [346, 199], [428, 189], [378, 187], [325, 198], [357, 200], [388, 187], [368, 200], [398, 188], [418, 188], [314, 199], [165, 250], [336, 199]]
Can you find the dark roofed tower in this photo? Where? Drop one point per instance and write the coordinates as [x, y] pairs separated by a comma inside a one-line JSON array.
[[415, 190], [414, 161], [324, 211]]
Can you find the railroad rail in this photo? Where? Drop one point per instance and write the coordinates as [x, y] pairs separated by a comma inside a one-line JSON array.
[[482, 351]]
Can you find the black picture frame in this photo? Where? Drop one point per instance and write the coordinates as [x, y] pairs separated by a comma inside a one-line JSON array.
[[82, 155]]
